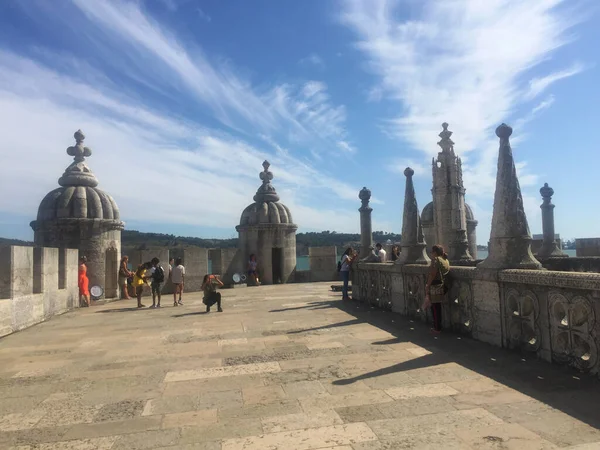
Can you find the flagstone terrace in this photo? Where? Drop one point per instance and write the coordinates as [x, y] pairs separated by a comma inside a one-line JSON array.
[[284, 367]]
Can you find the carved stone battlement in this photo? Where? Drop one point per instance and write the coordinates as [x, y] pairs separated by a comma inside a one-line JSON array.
[[36, 283]]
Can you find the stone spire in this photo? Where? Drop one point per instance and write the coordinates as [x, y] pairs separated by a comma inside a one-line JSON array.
[[366, 227], [446, 144], [78, 173], [266, 192], [549, 248], [412, 241], [510, 240]]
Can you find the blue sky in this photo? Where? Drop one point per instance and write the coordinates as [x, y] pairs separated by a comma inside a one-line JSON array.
[[182, 100]]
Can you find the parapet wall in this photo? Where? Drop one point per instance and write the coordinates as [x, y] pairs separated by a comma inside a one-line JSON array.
[[36, 283], [587, 247], [551, 314]]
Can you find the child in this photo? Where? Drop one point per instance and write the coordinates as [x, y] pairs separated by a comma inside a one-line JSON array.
[[157, 274], [211, 296], [178, 277], [139, 280]]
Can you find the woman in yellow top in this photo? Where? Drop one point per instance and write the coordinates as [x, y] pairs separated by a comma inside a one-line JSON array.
[[436, 287], [139, 281]]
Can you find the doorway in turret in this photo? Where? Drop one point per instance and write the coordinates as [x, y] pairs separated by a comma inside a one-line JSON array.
[[277, 264]]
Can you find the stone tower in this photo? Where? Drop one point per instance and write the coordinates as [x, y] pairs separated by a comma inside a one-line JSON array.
[[79, 215], [267, 230], [448, 220]]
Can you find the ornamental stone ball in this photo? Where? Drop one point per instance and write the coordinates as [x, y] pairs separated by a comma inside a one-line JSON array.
[[364, 194], [504, 131], [409, 172], [546, 191]]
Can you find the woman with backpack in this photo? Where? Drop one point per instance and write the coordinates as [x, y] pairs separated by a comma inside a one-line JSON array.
[[436, 287], [157, 277]]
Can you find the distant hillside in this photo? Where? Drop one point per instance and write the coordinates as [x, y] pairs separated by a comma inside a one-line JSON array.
[[137, 239]]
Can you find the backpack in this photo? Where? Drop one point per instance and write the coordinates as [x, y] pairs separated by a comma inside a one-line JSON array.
[[159, 274], [339, 266]]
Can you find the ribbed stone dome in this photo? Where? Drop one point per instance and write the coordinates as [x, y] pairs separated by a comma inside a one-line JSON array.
[[427, 214], [78, 202], [266, 213], [469, 213]]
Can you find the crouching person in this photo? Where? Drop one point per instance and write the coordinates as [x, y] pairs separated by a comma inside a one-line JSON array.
[[211, 296]]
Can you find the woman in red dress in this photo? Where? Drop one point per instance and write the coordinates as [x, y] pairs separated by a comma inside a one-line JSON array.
[[83, 282]]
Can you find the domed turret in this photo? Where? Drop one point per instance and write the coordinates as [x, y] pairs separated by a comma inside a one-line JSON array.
[[79, 215], [267, 230]]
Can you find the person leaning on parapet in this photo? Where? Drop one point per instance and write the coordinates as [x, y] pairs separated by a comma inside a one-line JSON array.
[[381, 253], [157, 277], [211, 296], [348, 258], [395, 253], [178, 279], [436, 287]]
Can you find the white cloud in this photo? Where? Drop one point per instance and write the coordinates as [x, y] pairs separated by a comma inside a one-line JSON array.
[[314, 60], [193, 175], [399, 165], [465, 62], [539, 85]]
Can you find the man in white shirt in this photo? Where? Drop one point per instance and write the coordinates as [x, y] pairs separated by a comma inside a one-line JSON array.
[[178, 277], [381, 253]]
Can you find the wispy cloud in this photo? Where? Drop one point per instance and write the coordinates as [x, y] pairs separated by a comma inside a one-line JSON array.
[[540, 84], [466, 62], [203, 15], [312, 59]]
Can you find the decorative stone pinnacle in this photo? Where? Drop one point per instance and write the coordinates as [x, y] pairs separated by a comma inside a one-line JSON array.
[[546, 191], [446, 143], [408, 172], [78, 173], [266, 192], [504, 131]]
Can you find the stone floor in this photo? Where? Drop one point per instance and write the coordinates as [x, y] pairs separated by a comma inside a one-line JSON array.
[[284, 367]]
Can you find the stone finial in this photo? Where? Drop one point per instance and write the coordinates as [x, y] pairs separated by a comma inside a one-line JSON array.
[[510, 240], [549, 248], [412, 241], [366, 227], [266, 192], [78, 173], [446, 143]]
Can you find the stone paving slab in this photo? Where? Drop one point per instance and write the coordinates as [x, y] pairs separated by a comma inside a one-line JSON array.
[[284, 367]]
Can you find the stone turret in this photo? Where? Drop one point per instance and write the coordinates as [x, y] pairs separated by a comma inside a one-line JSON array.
[[267, 230], [79, 215], [549, 248], [412, 242], [448, 220], [510, 240]]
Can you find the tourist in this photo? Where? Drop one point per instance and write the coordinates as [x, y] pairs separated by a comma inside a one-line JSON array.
[[253, 270], [83, 282], [178, 278], [436, 288], [124, 275], [381, 253], [211, 296], [157, 277], [395, 253], [140, 279], [348, 258], [171, 262]]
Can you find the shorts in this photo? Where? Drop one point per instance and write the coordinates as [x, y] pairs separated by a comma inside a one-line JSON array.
[[122, 280], [156, 287]]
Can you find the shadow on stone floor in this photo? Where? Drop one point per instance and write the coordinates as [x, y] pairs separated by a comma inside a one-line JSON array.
[[311, 307], [563, 388]]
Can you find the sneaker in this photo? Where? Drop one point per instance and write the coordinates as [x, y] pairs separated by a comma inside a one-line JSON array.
[[175, 304], [158, 306], [141, 306], [180, 302], [152, 306], [220, 310], [207, 309]]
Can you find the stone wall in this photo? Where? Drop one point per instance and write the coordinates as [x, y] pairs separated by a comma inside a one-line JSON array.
[[36, 283], [550, 314], [588, 247], [572, 264], [323, 263]]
